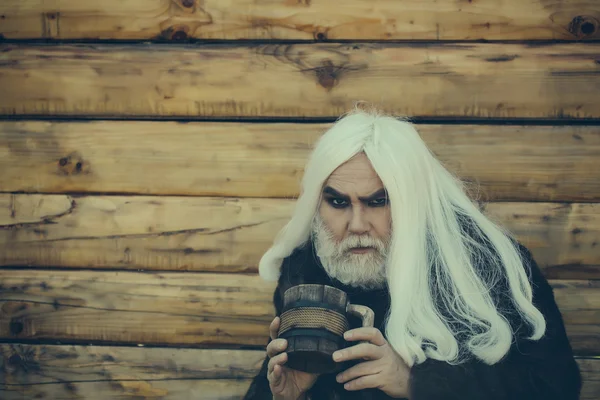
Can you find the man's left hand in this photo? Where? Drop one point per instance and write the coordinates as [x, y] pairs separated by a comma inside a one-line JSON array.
[[383, 368]]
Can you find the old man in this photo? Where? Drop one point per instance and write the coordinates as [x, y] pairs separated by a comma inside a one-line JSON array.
[[462, 311]]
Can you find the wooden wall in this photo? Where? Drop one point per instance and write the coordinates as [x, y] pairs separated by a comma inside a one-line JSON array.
[[150, 150]]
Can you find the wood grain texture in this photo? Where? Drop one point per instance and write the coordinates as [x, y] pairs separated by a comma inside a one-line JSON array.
[[217, 389], [194, 309], [590, 373], [321, 80], [25, 364], [98, 372], [304, 19], [231, 234], [69, 372], [501, 163], [172, 233], [150, 308]]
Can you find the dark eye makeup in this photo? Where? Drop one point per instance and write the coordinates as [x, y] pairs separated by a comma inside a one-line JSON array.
[[338, 200]]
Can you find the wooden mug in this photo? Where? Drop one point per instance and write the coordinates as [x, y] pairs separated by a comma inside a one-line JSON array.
[[313, 321]]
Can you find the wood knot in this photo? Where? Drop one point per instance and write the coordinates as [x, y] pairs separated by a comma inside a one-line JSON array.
[[171, 33], [72, 164], [179, 35], [320, 36], [15, 327], [327, 75], [584, 26], [70, 387], [15, 360], [187, 3]]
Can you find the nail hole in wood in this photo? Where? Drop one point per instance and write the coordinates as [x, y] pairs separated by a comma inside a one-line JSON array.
[[587, 28]]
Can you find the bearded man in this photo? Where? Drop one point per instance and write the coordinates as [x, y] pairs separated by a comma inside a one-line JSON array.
[[462, 310]]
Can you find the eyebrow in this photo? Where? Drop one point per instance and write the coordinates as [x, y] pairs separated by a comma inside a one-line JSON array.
[[377, 195]]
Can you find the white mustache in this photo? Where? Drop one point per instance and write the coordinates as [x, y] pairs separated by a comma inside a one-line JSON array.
[[361, 241], [359, 270]]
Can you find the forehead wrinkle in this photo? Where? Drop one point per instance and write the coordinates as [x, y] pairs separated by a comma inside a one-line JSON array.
[[355, 178], [351, 188]]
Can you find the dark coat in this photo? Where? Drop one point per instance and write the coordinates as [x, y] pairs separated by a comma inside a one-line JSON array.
[[532, 370]]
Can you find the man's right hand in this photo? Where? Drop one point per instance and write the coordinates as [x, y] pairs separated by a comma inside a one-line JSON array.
[[285, 383]]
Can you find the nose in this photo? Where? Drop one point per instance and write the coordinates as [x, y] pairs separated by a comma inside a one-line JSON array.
[[358, 222]]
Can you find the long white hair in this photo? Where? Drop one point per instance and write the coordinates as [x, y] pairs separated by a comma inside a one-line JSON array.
[[432, 260]]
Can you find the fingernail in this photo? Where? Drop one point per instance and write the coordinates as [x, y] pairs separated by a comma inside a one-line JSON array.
[[337, 356], [348, 335], [347, 386]]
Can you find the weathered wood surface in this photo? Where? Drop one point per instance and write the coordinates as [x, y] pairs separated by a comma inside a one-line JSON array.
[[195, 309], [304, 20], [172, 233], [564, 238], [231, 234], [206, 389], [25, 364], [436, 80], [98, 372], [505, 163], [69, 372], [590, 373], [133, 307]]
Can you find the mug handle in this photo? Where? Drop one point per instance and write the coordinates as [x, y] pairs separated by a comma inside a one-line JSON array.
[[363, 312]]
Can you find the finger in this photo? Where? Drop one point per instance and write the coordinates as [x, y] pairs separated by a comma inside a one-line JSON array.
[[364, 382], [362, 369], [274, 328], [362, 351], [275, 376], [279, 359], [276, 346], [371, 335]]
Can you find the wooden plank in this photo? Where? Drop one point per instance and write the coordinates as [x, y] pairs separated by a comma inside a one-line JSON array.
[[509, 163], [217, 389], [27, 364], [67, 372], [231, 234], [157, 308], [172, 233], [590, 373], [98, 372], [483, 80], [193, 309], [305, 20], [563, 238]]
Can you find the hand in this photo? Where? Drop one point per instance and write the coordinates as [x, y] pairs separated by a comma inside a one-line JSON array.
[[383, 368], [285, 383]]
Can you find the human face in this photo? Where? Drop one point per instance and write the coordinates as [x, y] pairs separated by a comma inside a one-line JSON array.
[[352, 228], [355, 202]]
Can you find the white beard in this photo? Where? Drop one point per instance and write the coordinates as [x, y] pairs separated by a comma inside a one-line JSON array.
[[366, 271]]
